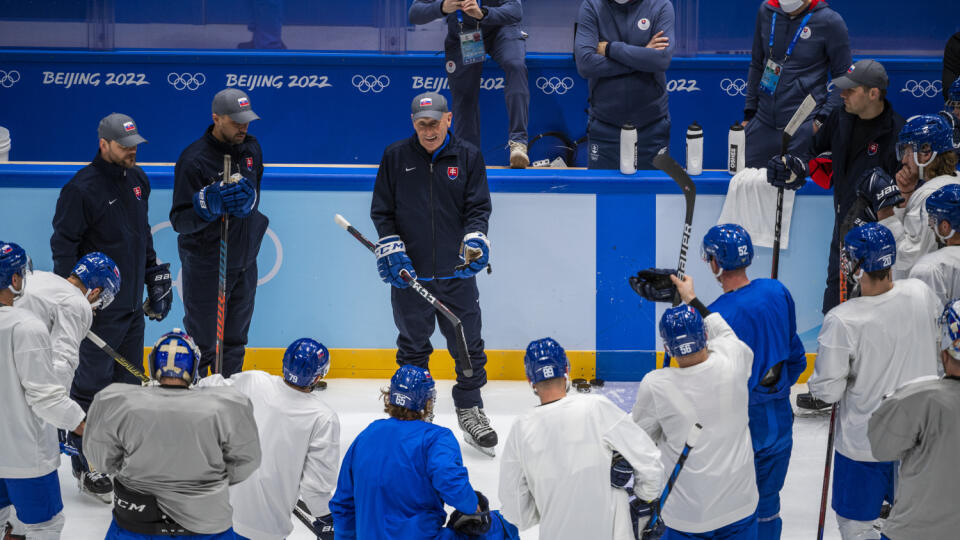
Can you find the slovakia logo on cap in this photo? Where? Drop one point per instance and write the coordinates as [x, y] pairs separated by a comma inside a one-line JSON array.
[[851, 68], [6, 249], [249, 163], [872, 149], [243, 101], [128, 126], [116, 271], [453, 172], [426, 102], [137, 192]]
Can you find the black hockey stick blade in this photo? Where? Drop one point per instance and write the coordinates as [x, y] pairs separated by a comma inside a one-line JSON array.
[[301, 513], [667, 164], [99, 342]]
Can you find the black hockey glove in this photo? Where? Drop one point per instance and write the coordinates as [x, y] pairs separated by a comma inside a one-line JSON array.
[[787, 172], [646, 519], [159, 286], [880, 191], [472, 524], [620, 471], [654, 284], [324, 527]]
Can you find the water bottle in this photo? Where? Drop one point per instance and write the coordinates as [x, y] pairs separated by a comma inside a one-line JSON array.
[[628, 149], [694, 149], [736, 156]]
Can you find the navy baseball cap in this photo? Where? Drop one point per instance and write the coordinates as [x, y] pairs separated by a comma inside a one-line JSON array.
[[235, 104], [121, 128]]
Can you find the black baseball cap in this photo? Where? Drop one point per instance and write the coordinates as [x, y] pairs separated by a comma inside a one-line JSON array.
[[121, 128], [869, 73], [235, 104]]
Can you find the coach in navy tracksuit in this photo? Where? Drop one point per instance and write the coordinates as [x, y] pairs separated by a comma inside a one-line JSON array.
[[498, 22], [624, 49], [430, 198], [200, 198]]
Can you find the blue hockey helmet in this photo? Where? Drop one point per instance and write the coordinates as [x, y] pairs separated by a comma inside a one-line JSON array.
[[13, 262], [411, 388], [729, 244], [545, 359], [952, 94], [305, 362], [869, 247], [925, 133], [175, 355], [98, 271], [682, 330], [950, 329], [944, 205]]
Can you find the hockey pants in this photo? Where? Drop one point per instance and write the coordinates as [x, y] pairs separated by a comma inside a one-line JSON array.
[[745, 529], [38, 505]]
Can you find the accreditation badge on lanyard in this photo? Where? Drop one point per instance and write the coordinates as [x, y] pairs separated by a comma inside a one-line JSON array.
[[471, 43], [773, 69]]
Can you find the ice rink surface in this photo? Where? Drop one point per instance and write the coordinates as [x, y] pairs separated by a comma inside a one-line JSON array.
[[357, 403]]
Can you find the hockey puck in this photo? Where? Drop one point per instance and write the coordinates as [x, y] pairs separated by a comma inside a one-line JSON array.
[[596, 382], [583, 388], [578, 382]]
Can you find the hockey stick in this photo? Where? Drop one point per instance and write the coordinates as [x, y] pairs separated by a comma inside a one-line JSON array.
[[300, 512], [801, 114], [116, 356], [665, 163], [222, 274], [463, 357], [692, 438]]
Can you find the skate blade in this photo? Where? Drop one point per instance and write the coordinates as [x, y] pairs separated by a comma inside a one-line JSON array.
[[490, 452], [105, 498]]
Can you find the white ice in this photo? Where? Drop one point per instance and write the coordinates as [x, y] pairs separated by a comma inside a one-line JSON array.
[[357, 403]]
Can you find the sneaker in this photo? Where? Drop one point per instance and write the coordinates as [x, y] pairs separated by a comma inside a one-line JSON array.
[[97, 485], [518, 155], [476, 429]]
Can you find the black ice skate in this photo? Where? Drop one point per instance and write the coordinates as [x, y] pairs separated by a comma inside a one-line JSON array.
[[8, 533], [97, 485], [807, 405], [476, 430]]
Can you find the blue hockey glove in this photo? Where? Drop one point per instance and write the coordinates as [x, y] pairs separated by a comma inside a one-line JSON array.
[[324, 527], [240, 198], [391, 259], [159, 288], [880, 191], [475, 253], [787, 172], [472, 524], [642, 513], [208, 202], [620, 471]]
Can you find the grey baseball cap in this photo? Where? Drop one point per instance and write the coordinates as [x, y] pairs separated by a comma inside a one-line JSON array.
[[121, 128], [869, 73], [235, 104], [428, 105]]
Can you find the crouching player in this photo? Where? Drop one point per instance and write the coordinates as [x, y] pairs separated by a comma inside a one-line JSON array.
[[573, 493], [174, 449], [300, 440]]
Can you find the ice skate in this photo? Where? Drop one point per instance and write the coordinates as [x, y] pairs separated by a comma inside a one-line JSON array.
[[807, 405], [97, 485], [477, 431]]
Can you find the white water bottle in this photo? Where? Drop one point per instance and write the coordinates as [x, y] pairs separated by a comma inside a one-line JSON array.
[[737, 146], [628, 149], [694, 149]]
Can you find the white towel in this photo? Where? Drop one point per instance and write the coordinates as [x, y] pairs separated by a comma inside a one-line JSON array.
[[752, 203]]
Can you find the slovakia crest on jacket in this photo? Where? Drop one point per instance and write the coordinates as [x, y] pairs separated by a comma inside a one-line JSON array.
[[249, 163], [453, 172], [137, 192]]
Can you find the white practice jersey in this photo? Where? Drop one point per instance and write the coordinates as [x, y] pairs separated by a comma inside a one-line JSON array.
[[68, 316], [718, 484], [909, 226], [32, 400], [869, 346], [555, 469], [300, 441], [940, 270]]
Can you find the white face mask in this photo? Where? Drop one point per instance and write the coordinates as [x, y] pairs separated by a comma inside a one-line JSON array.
[[789, 6]]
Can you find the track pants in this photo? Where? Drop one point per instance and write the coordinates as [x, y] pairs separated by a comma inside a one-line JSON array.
[[763, 141], [771, 431], [38, 505], [603, 143]]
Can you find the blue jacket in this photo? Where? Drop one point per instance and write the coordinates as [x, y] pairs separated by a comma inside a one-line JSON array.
[[104, 208], [825, 50], [628, 85], [431, 201], [394, 480], [199, 165], [501, 15]]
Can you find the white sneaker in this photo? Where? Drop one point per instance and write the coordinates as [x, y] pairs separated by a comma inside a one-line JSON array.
[[518, 155]]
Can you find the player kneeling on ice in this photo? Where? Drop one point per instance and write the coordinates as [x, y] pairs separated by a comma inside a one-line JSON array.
[[34, 404], [917, 425], [400, 471], [869, 346], [940, 270], [174, 449], [300, 441], [715, 496], [556, 465]]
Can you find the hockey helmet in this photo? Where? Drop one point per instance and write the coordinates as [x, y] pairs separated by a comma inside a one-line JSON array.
[[545, 359], [728, 244], [683, 331], [305, 362], [175, 355], [411, 388], [98, 271], [869, 247], [950, 329], [944, 205], [14, 261]]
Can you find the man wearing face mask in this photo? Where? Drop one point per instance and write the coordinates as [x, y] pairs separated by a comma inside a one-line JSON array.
[[869, 346], [796, 45], [104, 208], [623, 48]]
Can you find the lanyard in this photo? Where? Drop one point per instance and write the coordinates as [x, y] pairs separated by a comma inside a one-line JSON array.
[[796, 37], [460, 14]]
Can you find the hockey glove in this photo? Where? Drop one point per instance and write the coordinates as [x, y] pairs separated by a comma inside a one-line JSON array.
[[787, 172], [654, 284], [475, 253], [880, 191], [208, 202], [643, 513], [324, 527], [66, 446], [159, 288], [472, 524], [240, 198], [392, 259], [620, 471]]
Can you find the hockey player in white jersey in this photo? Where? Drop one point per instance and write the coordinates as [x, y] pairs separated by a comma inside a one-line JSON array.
[[926, 150], [66, 306], [917, 425], [715, 496], [940, 270], [34, 404], [300, 440], [869, 346], [174, 449], [556, 464]]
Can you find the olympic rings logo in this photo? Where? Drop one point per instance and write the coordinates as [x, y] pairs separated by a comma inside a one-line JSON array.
[[922, 88], [9, 78], [370, 83], [555, 85], [186, 81], [734, 87]]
